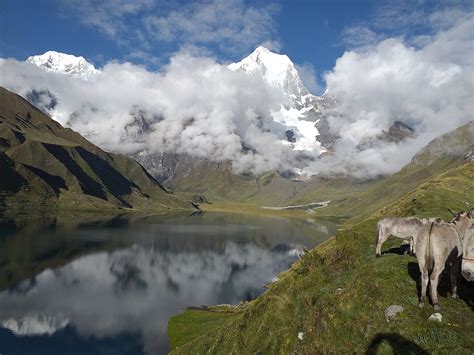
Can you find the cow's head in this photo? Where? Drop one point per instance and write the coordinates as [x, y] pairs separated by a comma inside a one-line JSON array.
[[463, 223], [467, 267], [458, 216]]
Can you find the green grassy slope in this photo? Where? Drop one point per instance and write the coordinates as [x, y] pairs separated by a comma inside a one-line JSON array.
[[219, 184], [357, 199], [47, 166], [337, 293], [216, 181]]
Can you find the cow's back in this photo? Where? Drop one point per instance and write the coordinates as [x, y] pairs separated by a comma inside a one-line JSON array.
[[403, 227]]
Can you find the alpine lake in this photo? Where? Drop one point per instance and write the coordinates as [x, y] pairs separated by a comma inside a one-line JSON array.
[[108, 285]]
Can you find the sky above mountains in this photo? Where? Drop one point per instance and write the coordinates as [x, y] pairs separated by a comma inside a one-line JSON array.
[[408, 61], [314, 33]]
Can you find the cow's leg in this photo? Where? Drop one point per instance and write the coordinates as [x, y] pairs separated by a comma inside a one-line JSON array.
[[424, 280], [434, 279], [454, 277], [382, 237], [412, 247]]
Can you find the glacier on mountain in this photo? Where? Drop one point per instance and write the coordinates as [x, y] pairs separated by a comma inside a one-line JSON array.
[[65, 64], [299, 113]]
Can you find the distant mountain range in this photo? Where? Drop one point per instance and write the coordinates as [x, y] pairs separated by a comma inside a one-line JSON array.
[[46, 166], [301, 123], [298, 122]]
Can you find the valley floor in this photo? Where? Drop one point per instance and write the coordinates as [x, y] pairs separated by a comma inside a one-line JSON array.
[[258, 210]]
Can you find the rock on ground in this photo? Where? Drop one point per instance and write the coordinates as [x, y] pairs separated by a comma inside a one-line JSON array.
[[392, 311], [436, 317]]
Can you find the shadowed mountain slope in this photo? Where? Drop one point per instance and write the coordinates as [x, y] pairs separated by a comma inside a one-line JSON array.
[[47, 166]]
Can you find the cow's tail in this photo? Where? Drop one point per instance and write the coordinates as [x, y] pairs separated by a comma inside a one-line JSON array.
[[429, 250]]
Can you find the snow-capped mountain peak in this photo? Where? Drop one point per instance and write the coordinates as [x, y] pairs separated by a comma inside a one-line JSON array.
[[64, 64], [298, 118], [277, 69]]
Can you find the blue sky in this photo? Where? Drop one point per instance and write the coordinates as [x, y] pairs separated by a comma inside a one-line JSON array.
[[312, 32]]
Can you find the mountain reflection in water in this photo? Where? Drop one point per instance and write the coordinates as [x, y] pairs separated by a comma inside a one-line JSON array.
[[119, 295]]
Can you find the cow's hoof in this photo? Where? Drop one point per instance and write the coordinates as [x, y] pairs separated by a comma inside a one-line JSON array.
[[421, 304], [455, 295], [378, 255], [437, 307]]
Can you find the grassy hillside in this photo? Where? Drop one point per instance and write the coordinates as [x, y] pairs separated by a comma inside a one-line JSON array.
[[46, 166], [214, 180], [356, 200], [336, 295]]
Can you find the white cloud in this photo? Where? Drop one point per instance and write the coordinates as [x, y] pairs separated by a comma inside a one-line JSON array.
[[195, 106], [359, 35], [430, 89], [414, 21], [399, 14], [110, 16], [230, 24], [308, 77]]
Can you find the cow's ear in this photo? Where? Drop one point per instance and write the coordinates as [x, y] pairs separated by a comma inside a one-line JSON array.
[[452, 212]]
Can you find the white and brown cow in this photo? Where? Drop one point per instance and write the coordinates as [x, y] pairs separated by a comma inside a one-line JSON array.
[[439, 244]]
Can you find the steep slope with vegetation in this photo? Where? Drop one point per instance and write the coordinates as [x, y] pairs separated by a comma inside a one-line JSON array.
[[47, 166], [333, 299], [443, 153]]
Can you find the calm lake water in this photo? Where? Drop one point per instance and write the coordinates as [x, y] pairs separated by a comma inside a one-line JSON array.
[[79, 285]]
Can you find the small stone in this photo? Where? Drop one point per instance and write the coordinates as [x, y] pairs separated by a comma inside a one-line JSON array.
[[436, 317], [300, 335], [392, 311]]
